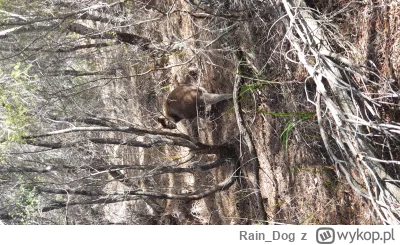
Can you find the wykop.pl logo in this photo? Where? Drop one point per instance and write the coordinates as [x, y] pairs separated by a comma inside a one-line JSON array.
[[325, 235]]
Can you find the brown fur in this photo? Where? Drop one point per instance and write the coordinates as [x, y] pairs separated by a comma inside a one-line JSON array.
[[187, 102]]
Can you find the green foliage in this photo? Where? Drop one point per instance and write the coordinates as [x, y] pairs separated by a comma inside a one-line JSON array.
[[74, 35], [331, 185], [25, 205], [298, 117], [165, 87], [86, 65], [254, 86], [311, 219], [286, 133], [15, 96]]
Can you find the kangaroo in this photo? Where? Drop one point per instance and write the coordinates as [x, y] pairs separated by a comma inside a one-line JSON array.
[[187, 102]]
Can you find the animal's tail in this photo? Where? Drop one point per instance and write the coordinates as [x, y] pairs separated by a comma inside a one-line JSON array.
[[215, 98]]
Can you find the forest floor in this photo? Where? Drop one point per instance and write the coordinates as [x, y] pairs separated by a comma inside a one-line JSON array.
[[298, 183]]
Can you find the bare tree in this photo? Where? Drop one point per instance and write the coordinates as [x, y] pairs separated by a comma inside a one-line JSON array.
[[82, 83], [352, 113]]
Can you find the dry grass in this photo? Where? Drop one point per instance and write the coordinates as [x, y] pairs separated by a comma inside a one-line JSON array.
[[299, 185]]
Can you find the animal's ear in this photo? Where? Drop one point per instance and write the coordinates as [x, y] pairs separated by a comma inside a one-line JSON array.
[[166, 123]]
